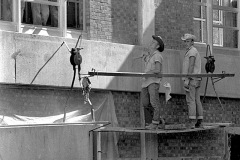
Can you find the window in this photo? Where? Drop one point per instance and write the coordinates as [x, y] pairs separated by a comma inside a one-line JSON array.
[[47, 14], [40, 14], [75, 14], [6, 10], [200, 22], [225, 25]]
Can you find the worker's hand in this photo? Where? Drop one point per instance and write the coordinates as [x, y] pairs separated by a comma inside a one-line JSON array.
[[186, 83], [149, 72], [144, 56], [146, 52], [146, 49]]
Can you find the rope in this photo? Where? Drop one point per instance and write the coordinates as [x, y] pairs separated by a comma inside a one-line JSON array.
[[46, 63], [74, 75]]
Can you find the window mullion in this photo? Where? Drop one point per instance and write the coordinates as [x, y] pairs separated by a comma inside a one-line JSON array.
[[238, 23], [16, 13], [44, 2], [84, 15], [209, 24], [201, 11]]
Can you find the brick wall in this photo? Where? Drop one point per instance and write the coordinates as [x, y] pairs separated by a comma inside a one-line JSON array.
[[208, 143], [114, 21], [127, 111], [173, 19], [202, 145], [117, 21]]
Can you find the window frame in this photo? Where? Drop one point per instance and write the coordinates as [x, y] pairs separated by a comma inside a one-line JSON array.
[[62, 30], [209, 20], [201, 20]]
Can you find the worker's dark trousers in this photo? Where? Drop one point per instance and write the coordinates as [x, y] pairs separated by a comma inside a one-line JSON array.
[[150, 95]]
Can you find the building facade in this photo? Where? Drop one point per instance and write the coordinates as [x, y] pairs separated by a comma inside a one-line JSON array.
[[113, 35]]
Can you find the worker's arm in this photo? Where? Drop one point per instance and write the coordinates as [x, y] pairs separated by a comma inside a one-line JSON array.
[[190, 69], [191, 64], [157, 69]]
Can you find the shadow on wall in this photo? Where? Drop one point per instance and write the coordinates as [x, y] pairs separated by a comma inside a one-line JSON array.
[[130, 61]]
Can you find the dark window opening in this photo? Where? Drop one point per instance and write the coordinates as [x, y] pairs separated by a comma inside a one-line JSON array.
[[6, 10], [39, 14], [75, 14], [234, 147]]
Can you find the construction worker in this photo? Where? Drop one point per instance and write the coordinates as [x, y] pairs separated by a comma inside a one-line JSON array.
[[150, 85], [192, 65]]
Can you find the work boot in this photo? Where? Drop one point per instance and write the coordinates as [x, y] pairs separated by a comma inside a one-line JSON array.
[[162, 121], [161, 125], [190, 124], [199, 124], [153, 125]]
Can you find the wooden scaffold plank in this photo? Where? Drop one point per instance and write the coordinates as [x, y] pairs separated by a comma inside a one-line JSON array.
[[207, 126]]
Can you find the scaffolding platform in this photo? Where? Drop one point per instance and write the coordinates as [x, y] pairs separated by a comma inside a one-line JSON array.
[[206, 126]]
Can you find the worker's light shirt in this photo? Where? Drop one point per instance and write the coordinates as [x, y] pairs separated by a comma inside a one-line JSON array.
[[150, 64], [192, 52]]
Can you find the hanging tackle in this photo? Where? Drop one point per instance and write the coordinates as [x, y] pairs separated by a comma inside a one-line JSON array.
[[86, 87]]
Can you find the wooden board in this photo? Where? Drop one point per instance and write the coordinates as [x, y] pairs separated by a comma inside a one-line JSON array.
[[160, 131], [137, 74], [174, 126], [167, 127]]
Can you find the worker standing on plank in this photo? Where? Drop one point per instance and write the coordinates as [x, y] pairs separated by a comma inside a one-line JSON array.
[[150, 85], [192, 65]]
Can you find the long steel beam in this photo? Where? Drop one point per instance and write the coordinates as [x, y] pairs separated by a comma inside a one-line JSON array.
[[137, 74]]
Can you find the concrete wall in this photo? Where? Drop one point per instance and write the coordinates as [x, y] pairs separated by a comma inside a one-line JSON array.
[[103, 56]]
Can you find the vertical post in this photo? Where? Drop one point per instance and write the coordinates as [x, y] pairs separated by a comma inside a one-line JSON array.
[[99, 149], [15, 69], [62, 17], [16, 14], [93, 114], [1, 9], [226, 148], [76, 6], [140, 22], [209, 24], [142, 135], [84, 15], [238, 23], [146, 28]]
